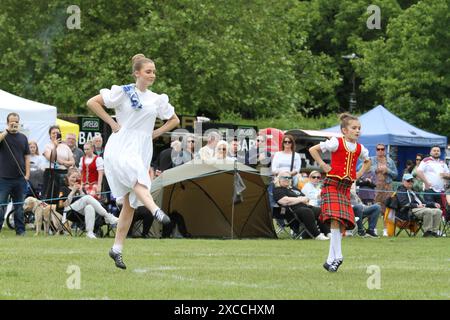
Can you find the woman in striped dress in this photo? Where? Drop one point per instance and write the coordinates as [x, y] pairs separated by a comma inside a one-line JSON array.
[[335, 195]]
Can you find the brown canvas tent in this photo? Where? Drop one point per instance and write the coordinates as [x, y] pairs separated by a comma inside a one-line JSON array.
[[203, 193]]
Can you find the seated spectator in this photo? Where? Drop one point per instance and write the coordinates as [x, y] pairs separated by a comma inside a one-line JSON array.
[[361, 211], [186, 154], [175, 229], [92, 171], [164, 161], [367, 187], [233, 149], [302, 179], [141, 214], [313, 188], [286, 196], [221, 153], [37, 166], [71, 141], [78, 202], [429, 212], [206, 153], [183, 152]]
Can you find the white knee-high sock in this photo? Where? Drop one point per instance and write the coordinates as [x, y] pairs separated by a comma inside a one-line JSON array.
[[332, 250], [331, 256], [336, 238]]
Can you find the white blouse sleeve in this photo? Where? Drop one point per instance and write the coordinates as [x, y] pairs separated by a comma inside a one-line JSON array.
[[329, 145], [99, 163], [164, 108], [364, 154], [113, 98]]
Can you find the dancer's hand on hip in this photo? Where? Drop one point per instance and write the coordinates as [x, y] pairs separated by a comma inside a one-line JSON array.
[[156, 134], [115, 127], [326, 168]]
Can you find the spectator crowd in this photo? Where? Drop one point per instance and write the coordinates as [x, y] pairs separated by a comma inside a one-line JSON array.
[[74, 180]]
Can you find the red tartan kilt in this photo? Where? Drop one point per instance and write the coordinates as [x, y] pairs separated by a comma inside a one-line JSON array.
[[336, 202]]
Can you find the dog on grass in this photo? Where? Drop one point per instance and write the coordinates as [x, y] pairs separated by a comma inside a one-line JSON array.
[[43, 213]]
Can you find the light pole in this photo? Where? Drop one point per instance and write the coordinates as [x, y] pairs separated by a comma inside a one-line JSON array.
[[352, 102]]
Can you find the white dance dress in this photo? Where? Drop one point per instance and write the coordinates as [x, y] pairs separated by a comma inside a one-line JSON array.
[[128, 152]]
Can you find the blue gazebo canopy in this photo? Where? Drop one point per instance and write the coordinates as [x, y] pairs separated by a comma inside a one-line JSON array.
[[381, 126]]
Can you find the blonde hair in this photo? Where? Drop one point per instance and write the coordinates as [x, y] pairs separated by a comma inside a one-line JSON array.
[[276, 180], [35, 143], [312, 172], [221, 143], [138, 62], [345, 119], [90, 143]]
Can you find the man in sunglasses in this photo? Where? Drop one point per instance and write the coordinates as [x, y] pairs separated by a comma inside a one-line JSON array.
[[427, 211]]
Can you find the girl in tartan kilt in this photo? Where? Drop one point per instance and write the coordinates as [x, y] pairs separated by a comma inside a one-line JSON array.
[[335, 194]]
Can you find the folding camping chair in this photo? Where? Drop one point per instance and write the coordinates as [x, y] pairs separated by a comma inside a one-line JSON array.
[[411, 226], [80, 225], [404, 220], [284, 218], [445, 224], [354, 231]]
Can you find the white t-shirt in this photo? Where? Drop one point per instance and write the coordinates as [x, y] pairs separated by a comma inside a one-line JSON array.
[[312, 193], [38, 162], [206, 153], [333, 144], [63, 153], [98, 162], [282, 162], [432, 170]]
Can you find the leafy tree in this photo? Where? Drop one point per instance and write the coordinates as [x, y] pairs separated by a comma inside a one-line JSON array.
[[410, 69], [258, 58], [332, 28]]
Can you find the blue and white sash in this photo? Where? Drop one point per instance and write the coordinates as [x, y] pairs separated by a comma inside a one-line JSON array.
[[130, 90]]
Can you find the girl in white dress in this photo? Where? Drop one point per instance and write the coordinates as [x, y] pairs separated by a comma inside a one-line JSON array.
[[129, 150]]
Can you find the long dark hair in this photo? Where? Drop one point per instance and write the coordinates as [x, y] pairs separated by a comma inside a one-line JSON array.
[[292, 140]]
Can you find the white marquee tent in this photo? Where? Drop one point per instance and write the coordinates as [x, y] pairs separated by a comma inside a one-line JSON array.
[[35, 117]]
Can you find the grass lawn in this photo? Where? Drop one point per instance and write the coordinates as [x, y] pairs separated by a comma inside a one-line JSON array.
[[37, 268]]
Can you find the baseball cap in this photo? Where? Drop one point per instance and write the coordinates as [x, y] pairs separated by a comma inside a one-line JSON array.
[[407, 176]]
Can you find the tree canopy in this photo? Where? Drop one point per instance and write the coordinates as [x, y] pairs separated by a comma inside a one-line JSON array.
[[256, 58]]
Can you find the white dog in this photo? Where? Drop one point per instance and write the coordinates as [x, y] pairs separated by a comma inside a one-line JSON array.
[[43, 214]]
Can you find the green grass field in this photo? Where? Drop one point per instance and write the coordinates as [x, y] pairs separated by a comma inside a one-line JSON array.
[[37, 268]]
